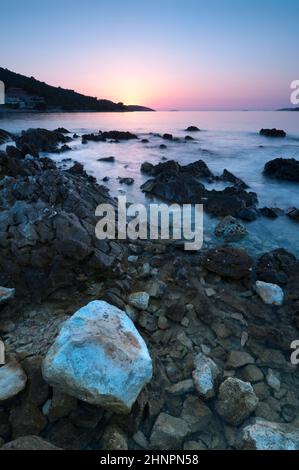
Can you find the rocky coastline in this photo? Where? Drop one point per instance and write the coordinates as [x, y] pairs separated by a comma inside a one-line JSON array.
[[139, 344]]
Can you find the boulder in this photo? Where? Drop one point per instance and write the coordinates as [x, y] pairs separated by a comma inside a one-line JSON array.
[[230, 229], [12, 380], [273, 132], [238, 359], [236, 401], [34, 141], [265, 435], [205, 376], [227, 261], [99, 357], [271, 294], [283, 169], [29, 443], [168, 432]]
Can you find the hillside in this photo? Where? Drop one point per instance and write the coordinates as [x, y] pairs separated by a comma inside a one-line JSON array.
[[28, 93]]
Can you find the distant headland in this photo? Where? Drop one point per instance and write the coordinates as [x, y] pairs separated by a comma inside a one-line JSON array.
[[28, 94]]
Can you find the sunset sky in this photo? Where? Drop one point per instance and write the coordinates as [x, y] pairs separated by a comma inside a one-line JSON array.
[[179, 54]]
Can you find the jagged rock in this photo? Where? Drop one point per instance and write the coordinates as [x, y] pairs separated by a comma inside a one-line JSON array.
[[205, 376], [273, 379], [99, 338], [139, 300], [236, 401], [271, 294], [228, 176], [6, 294], [239, 359], [230, 229], [273, 132], [167, 136], [265, 435], [29, 443], [228, 262], [34, 141], [114, 439], [168, 432], [283, 169], [12, 380], [276, 266]]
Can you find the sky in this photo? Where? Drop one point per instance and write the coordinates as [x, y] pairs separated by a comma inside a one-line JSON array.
[[179, 54]]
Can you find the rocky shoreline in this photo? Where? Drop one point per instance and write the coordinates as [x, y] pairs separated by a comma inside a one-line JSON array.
[[194, 347]]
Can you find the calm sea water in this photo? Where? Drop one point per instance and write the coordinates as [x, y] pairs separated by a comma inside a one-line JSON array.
[[228, 140]]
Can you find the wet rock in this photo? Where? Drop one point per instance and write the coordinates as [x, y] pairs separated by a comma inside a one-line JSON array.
[[163, 146], [167, 136], [114, 439], [231, 178], [234, 201], [168, 432], [192, 129], [101, 338], [272, 132], [227, 261], [128, 181], [271, 294], [236, 401], [6, 294], [230, 229], [239, 359], [293, 213], [144, 141], [276, 266], [205, 376], [4, 136], [118, 135], [270, 212], [286, 169], [12, 380], [139, 300], [29, 443], [106, 159], [34, 141], [265, 435], [188, 138]]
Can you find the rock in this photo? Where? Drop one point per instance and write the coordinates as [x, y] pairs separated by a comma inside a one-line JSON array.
[[147, 167], [4, 136], [239, 359], [167, 136], [293, 213], [99, 338], [271, 294], [286, 169], [106, 159], [270, 212], [234, 201], [265, 435], [228, 261], [26, 419], [127, 181], [228, 176], [192, 129], [37, 390], [6, 294], [276, 266], [139, 300], [114, 439], [273, 379], [272, 132], [168, 432], [144, 141], [86, 416], [133, 258], [205, 376], [29, 443], [188, 138], [157, 288], [118, 135], [175, 312], [60, 405], [12, 380], [251, 373], [162, 146], [230, 229], [236, 401], [196, 414], [34, 141], [181, 388]]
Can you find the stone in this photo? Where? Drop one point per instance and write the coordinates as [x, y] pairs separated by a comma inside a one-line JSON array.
[[266, 435], [192, 129], [272, 132], [60, 405], [239, 359], [139, 300], [251, 373], [181, 388], [37, 390], [12, 380], [114, 439], [26, 419], [132, 258], [273, 379], [196, 414], [285, 169], [271, 294], [99, 357], [194, 445], [230, 229], [6, 294], [168, 432], [236, 401], [205, 376], [29, 443], [228, 261]]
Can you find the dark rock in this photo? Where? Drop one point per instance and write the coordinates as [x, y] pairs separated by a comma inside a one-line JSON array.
[[34, 141], [293, 213], [126, 180], [144, 141], [4, 136], [270, 212], [276, 266], [167, 136], [227, 261], [192, 129], [272, 132], [106, 159], [26, 419], [188, 138], [118, 135], [232, 201], [175, 312], [230, 177], [29, 443], [62, 130], [163, 146], [283, 169]]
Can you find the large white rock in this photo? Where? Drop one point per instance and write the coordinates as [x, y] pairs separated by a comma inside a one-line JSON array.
[[99, 357], [12, 380], [271, 294], [265, 435]]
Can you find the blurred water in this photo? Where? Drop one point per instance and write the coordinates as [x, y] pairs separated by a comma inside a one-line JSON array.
[[227, 140]]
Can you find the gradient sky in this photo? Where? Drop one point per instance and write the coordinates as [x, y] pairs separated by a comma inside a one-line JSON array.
[[179, 54]]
